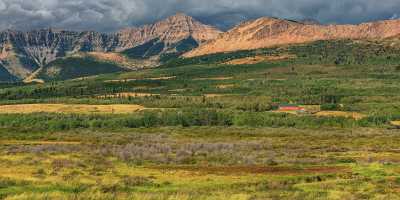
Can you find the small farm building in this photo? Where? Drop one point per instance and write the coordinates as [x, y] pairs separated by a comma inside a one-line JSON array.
[[290, 107]]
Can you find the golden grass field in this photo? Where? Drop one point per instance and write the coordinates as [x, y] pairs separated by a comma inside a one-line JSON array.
[[354, 115], [140, 94], [395, 123], [69, 108], [166, 180], [162, 78], [225, 86], [316, 111], [258, 59], [134, 79], [214, 95], [128, 94], [221, 78], [112, 57]]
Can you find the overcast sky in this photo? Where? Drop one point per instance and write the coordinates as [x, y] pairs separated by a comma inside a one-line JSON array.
[[110, 15]]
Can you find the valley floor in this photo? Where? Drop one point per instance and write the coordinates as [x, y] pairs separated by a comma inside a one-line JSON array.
[[212, 127], [201, 163]]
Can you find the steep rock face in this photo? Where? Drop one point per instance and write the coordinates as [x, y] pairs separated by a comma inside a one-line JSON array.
[[170, 31], [13, 58], [42, 46], [268, 32], [21, 53]]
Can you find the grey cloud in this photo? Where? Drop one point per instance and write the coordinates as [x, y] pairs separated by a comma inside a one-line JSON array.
[[110, 15]]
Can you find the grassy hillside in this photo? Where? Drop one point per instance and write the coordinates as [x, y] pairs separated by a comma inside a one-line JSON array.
[[75, 67], [186, 45], [340, 52], [5, 76], [146, 50], [155, 47]]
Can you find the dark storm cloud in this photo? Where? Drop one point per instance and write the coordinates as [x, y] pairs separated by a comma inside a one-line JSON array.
[[109, 15]]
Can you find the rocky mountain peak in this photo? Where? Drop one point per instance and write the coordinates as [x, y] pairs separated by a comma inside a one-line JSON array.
[[21, 53], [310, 21], [267, 32], [179, 18], [171, 30]]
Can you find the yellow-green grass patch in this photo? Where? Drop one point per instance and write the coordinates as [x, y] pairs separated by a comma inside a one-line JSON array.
[[69, 108]]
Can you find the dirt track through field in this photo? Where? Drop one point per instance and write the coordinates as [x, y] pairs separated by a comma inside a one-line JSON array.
[[224, 170]]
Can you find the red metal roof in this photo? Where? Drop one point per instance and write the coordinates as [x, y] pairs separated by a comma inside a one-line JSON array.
[[290, 108]]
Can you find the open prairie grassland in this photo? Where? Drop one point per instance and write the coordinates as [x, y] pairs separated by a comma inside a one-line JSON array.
[[210, 128], [201, 163]]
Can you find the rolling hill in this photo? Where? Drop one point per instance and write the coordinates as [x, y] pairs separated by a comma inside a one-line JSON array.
[[5, 75], [72, 67]]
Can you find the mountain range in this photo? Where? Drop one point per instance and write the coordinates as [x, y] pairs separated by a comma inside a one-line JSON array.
[[269, 32], [48, 54], [25, 53]]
